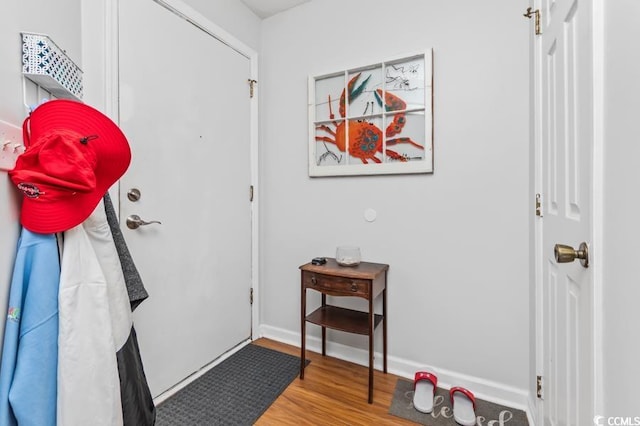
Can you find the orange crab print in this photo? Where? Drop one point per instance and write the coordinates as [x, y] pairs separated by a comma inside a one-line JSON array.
[[365, 139]]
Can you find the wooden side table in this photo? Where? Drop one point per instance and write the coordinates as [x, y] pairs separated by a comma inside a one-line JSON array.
[[366, 280]]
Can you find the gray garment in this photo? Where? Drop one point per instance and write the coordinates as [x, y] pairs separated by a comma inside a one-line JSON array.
[[135, 288]]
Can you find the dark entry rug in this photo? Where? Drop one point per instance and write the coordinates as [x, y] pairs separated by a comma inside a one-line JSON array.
[[235, 392], [487, 413]]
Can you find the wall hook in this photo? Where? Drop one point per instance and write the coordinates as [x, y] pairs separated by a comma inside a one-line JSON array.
[[12, 146]]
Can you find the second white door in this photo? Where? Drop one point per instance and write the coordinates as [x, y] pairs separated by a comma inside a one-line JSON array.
[[565, 119]]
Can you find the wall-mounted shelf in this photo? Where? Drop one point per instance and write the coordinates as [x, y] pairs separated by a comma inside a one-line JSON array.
[[44, 63]]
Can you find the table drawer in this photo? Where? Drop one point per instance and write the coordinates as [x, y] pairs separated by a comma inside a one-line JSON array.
[[333, 285]]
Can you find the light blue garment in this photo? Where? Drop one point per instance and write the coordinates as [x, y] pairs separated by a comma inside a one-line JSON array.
[[28, 373]]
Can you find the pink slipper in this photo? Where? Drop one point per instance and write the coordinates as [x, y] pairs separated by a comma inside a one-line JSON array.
[[424, 388], [464, 406]]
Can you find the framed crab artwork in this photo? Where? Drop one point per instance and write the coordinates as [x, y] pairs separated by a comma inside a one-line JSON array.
[[373, 119]]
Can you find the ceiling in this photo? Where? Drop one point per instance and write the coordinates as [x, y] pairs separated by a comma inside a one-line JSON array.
[[267, 8]]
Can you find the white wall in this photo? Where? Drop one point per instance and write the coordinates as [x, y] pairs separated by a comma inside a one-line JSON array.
[[64, 30], [621, 285], [457, 241]]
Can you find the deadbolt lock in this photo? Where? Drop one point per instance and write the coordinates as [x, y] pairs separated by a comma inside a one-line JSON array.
[[133, 194]]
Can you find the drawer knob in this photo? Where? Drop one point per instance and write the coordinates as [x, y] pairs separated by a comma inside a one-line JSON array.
[[354, 286], [314, 281]]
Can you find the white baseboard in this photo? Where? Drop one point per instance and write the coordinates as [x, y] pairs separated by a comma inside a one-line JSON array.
[[532, 412], [484, 389]]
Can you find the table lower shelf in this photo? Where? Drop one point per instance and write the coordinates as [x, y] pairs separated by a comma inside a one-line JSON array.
[[343, 319]]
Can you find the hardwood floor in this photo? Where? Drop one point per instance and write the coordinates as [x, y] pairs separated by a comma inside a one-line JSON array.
[[333, 392]]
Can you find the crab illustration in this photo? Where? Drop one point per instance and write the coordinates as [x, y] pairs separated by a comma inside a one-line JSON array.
[[364, 138]]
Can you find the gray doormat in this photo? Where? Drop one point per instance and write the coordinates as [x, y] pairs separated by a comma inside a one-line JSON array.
[[235, 392], [487, 413]]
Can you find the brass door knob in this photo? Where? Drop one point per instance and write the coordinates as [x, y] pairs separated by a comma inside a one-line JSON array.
[[567, 254]]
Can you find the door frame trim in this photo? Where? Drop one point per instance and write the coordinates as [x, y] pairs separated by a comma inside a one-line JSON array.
[[597, 207], [598, 204], [111, 102]]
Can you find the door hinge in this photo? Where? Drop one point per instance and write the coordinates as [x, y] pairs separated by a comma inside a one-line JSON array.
[[251, 296], [250, 193], [538, 205], [531, 14], [539, 387], [251, 84]]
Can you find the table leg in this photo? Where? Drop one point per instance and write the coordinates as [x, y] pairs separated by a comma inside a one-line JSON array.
[[371, 328], [384, 329], [324, 329], [303, 314]]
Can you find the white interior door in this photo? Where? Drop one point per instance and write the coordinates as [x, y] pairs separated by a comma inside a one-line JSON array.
[[185, 108], [565, 135]]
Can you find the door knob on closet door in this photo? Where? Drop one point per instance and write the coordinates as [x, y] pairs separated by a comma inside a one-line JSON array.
[[567, 254], [134, 222]]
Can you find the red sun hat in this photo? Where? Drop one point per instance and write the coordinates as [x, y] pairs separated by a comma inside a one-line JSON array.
[[74, 153]]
